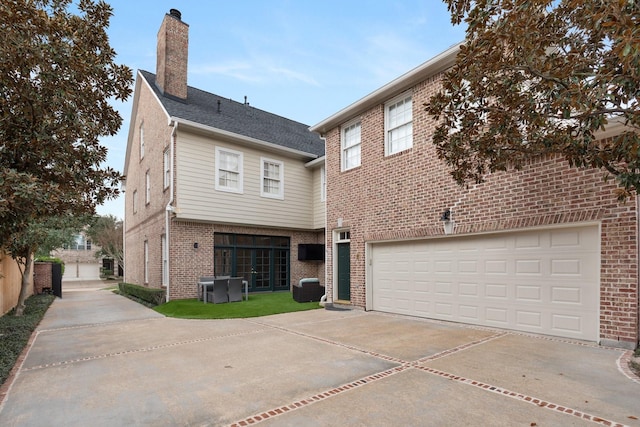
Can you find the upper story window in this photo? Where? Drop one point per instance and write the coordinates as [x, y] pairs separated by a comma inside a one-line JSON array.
[[147, 184], [272, 178], [135, 201], [350, 152], [323, 184], [167, 173], [228, 170], [141, 141], [398, 124], [80, 243]]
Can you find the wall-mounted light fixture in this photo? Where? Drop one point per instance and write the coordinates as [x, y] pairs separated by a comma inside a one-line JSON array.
[[195, 245], [447, 221]]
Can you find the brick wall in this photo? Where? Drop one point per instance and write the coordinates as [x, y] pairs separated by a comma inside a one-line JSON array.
[[42, 276], [402, 196], [172, 56], [189, 264]]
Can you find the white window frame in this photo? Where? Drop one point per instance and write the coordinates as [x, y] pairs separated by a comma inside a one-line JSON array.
[[349, 145], [165, 269], [141, 141], [398, 124], [263, 178], [147, 192], [239, 188], [135, 201], [167, 171], [323, 184], [146, 261]]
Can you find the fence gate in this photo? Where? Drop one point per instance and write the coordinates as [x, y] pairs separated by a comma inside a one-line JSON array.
[[56, 279]]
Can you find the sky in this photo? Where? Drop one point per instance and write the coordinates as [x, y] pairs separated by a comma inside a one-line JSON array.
[[301, 59]]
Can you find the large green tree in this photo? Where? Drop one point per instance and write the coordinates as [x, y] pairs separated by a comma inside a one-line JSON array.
[[542, 77], [106, 232], [57, 76]]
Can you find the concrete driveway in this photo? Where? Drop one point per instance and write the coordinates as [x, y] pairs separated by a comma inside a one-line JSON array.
[[99, 359]]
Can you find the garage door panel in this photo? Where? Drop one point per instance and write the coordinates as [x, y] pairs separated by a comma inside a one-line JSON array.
[[538, 281]]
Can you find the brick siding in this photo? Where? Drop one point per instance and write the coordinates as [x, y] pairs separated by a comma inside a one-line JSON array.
[[403, 195]]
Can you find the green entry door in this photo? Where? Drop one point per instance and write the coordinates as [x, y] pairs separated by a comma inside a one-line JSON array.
[[344, 271]]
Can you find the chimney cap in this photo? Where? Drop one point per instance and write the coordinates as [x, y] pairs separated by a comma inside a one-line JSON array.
[[175, 13]]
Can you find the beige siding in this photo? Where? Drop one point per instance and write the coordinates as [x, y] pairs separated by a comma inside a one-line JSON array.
[[197, 198], [318, 204]]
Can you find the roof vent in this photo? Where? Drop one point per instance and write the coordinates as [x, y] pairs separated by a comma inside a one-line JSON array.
[[175, 13]]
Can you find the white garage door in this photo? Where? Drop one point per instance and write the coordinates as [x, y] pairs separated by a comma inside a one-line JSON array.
[[538, 281]]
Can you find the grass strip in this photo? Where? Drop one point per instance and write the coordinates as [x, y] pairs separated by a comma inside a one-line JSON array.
[[258, 305], [16, 330]]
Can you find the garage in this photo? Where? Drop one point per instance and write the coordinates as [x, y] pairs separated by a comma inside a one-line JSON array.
[[541, 281]]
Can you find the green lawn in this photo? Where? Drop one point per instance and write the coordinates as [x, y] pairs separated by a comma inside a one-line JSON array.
[[258, 305]]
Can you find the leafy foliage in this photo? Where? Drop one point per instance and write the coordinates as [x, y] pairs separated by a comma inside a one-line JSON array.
[[15, 331], [542, 77], [57, 75], [152, 296], [106, 232]]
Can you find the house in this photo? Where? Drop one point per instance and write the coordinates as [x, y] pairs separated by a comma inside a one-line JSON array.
[[546, 250], [79, 259], [214, 186]]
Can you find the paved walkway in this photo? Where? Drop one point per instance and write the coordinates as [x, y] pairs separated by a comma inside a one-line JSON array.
[[99, 359]]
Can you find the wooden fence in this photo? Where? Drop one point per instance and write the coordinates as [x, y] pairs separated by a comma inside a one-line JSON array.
[[10, 280]]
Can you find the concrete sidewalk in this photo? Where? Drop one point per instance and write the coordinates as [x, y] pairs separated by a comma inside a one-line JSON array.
[[102, 360]]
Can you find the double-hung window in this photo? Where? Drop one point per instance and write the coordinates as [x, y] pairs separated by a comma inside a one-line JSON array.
[[228, 170], [167, 172], [272, 178], [141, 141], [351, 142], [147, 192], [398, 124]]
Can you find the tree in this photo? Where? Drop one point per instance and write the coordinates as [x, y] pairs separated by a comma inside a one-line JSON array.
[[57, 74], [542, 77], [50, 233], [106, 232]]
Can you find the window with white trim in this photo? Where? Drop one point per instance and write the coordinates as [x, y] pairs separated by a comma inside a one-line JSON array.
[[398, 124], [350, 152], [141, 141], [147, 192], [272, 176], [228, 170], [165, 262], [135, 201], [167, 172], [323, 184], [146, 261]]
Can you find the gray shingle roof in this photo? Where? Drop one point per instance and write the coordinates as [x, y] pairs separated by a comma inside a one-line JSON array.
[[232, 116]]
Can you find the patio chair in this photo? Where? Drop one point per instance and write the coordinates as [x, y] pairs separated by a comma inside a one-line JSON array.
[[235, 289], [204, 284], [219, 292]]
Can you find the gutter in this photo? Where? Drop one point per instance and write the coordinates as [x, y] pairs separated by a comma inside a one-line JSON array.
[[170, 208]]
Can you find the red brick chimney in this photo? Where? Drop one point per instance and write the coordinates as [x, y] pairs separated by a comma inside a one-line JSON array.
[[173, 52]]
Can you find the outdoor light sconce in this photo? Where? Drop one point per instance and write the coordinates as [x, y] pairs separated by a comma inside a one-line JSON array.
[[448, 222], [195, 245]]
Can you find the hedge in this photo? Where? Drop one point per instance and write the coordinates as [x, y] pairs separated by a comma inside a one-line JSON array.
[[153, 296]]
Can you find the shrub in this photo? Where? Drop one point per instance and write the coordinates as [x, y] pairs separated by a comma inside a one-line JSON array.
[[153, 296], [51, 259], [16, 330]]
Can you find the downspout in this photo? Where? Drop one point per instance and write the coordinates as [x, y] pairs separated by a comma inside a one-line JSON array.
[[170, 208]]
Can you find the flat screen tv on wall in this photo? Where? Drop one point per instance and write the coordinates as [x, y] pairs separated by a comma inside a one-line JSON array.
[[310, 252]]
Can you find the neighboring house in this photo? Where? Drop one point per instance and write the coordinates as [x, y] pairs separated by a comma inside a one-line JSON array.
[[547, 249], [214, 186], [79, 257]]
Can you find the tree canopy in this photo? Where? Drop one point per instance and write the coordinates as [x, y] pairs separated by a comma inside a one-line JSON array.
[[106, 232], [57, 76], [542, 77]]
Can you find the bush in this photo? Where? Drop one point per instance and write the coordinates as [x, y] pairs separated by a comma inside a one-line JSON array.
[[50, 259], [16, 330], [153, 296]]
